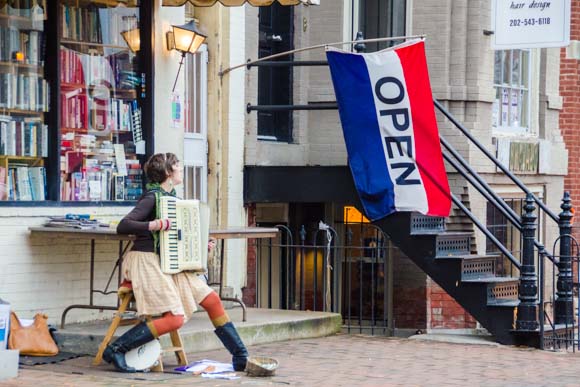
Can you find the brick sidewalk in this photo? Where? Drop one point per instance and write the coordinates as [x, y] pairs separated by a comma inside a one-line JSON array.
[[344, 360]]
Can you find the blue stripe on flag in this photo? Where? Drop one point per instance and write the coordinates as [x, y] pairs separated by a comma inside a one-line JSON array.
[[354, 94]]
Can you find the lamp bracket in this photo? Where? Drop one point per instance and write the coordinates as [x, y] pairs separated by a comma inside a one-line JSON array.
[[170, 40]]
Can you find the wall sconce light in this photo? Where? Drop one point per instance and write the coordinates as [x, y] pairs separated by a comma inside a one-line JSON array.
[[185, 38], [133, 39]]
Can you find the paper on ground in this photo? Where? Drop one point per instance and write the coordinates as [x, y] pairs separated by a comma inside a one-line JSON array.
[[201, 365]]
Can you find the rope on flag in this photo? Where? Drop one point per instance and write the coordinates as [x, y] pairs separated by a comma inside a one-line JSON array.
[[390, 130]]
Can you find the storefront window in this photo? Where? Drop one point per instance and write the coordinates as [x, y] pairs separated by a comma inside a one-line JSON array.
[[511, 106], [24, 100], [100, 116]]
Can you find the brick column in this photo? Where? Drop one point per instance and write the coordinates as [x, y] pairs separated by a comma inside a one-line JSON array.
[[249, 291]]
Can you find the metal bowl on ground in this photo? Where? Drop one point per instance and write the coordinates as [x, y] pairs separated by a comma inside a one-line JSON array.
[[261, 366]]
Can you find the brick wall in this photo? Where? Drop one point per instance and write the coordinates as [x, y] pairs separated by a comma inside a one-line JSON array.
[[249, 291], [443, 312], [409, 293], [570, 114]]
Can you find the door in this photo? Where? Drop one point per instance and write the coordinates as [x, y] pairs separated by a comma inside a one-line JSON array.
[[275, 83], [195, 128]]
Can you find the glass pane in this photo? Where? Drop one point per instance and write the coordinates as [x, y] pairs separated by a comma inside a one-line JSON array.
[[24, 98], [516, 67], [524, 109], [198, 182], [504, 106], [198, 92], [514, 108], [497, 68], [507, 59], [100, 114], [189, 94], [525, 68], [188, 182], [496, 108]]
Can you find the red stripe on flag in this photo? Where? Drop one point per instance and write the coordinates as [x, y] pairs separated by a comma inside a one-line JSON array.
[[427, 148]]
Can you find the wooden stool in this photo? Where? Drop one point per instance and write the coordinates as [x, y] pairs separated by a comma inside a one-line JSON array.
[[126, 296]]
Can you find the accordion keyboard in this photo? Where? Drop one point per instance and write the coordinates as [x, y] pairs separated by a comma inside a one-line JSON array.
[[184, 245]]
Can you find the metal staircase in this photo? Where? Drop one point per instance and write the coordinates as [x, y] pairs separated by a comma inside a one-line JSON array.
[[509, 307], [469, 278]]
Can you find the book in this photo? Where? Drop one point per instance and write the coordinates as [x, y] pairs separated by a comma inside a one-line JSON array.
[[37, 176], [3, 184]]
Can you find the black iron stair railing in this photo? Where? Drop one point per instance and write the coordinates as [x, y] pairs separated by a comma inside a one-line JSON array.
[[505, 170]]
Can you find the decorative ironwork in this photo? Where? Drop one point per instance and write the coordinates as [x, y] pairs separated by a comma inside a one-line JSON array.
[[319, 272], [527, 316], [564, 304]]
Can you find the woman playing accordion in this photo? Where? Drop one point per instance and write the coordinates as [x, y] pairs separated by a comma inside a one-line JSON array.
[[174, 296]]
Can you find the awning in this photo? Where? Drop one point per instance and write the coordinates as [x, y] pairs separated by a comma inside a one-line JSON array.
[[235, 3]]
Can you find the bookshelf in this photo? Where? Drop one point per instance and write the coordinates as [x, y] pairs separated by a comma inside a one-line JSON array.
[[24, 100], [99, 108]]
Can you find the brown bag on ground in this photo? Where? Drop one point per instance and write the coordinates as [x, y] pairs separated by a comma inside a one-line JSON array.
[[34, 340]]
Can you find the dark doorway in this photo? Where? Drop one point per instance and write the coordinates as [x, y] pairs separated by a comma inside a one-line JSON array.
[[275, 83]]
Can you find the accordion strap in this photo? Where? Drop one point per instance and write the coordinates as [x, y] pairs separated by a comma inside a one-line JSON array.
[[158, 191]]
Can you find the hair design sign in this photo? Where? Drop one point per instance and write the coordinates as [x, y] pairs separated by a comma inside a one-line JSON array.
[[530, 24]]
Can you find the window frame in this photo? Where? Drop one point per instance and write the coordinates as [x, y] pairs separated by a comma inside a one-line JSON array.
[[197, 162], [509, 130]]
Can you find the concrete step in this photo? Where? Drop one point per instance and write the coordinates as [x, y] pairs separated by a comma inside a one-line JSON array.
[[262, 326]]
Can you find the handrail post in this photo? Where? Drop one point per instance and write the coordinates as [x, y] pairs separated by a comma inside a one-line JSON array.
[[564, 303], [527, 316]]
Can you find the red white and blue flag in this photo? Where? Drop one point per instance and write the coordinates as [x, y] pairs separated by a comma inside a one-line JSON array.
[[390, 130]]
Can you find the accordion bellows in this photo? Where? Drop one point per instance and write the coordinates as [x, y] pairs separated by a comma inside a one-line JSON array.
[[184, 245]]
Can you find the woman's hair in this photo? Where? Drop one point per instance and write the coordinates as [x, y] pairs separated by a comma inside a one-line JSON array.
[[160, 166]]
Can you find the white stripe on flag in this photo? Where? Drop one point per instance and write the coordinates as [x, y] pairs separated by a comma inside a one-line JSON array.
[[383, 67]]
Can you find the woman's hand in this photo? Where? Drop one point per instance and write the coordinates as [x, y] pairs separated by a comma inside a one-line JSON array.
[[211, 244], [160, 225]]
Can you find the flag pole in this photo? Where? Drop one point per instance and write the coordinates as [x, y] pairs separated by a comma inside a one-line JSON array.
[[250, 62]]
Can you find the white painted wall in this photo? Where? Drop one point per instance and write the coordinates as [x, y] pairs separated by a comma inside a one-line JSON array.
[[43, 274], [167, 137], [235, 276]]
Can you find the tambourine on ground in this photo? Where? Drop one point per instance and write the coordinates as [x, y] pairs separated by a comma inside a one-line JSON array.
[[144, 357]]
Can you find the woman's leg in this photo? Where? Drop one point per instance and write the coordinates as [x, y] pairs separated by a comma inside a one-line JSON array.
[[215, 309], [169, 322], [140, 334], [225, 330]]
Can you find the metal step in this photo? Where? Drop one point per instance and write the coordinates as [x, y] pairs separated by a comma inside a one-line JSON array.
[[503, 291], [453, 244], [478, 267], [426, 225]]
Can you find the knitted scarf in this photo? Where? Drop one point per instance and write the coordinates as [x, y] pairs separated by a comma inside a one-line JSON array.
[[156, 189]]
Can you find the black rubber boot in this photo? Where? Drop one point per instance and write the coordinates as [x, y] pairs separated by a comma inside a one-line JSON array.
[[231, 340], [133, 338]]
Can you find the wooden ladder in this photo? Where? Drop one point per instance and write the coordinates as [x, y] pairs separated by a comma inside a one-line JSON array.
[[126, 296]]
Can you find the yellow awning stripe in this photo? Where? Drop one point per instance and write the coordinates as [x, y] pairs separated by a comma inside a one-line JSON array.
[[234, 3]]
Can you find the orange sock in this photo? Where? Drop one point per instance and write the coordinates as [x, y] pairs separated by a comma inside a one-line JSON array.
[[215, 309], [169, 322]]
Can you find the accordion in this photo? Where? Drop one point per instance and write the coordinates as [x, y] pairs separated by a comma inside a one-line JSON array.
[[184, 246]]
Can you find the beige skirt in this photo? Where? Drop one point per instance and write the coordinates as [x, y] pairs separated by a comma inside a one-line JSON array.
[[156, 292]]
